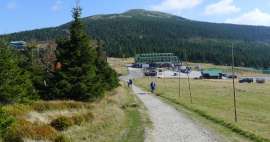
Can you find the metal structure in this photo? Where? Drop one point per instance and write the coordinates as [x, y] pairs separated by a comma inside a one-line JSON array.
[[234, 91], [158, 58]]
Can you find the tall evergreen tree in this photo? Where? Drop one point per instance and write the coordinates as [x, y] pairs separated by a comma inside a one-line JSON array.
[[104, 71], [77, 78], [15, 82]]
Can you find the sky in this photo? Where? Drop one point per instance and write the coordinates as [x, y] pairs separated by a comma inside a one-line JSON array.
[[20, 15]]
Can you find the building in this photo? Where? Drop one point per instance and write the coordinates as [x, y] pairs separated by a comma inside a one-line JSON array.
[[156, 59], [18, 45]]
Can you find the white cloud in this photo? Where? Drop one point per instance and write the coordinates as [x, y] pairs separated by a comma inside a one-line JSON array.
[[254, 17], [11, 5], [57, 5], [176, 6], [221, 7]]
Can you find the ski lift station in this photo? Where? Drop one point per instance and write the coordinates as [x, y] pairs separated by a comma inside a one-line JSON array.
[[156, 60]]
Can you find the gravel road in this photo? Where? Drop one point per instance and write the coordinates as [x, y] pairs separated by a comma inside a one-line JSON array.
[[171, 125]]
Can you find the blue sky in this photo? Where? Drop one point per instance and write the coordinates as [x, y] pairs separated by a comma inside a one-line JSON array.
[[19, 15]]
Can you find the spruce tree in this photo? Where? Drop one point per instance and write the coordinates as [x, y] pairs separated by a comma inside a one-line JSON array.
[[15, 82], [77, 78], [108, 76]]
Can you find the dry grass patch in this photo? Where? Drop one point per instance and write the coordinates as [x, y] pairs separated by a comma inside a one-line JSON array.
[[119, 64], [104, 120], [33, 120]]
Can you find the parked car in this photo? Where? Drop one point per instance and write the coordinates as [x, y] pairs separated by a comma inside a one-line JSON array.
[[246, 80], [231, 76], [150, 73], [260, 80]]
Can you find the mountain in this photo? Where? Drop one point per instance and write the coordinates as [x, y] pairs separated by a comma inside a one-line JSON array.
[[142, 31]]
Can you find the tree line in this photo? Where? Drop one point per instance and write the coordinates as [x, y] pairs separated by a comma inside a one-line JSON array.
[[126, 34]]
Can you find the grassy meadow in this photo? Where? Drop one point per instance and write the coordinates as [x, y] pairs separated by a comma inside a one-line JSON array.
[[241, 71], [215, 98], [118, 117], [119, 65]]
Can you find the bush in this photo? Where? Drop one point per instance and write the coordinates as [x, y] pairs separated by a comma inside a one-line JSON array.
[[12, 135], [25, 129], [5, 121], [61, 123], [61, 138]]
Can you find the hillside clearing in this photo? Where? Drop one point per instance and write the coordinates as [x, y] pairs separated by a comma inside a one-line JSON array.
[[119, 65]]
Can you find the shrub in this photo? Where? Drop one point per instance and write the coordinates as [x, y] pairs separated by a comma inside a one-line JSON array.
[[5, 121], [12, 135], [61, 123], [25, 129]]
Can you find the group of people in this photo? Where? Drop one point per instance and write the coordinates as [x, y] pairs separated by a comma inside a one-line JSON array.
[[152, 85]]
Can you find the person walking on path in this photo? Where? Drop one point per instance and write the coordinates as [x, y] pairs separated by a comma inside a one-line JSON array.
[[153, 86], [130, 82]]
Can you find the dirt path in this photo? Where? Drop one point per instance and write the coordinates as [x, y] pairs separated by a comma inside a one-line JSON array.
[[169, 124]]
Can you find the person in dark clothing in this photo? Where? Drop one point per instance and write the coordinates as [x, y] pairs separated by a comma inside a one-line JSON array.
[[130, 82], [153, 86]]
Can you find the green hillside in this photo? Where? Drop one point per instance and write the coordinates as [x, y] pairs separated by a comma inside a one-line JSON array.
[[141, 31]]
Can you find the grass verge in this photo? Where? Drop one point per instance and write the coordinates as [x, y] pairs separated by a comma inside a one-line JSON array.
[[115, 118], [212, 100]]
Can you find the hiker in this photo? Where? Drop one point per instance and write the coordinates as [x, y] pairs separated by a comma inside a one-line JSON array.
[[153, 86], [130, 82]]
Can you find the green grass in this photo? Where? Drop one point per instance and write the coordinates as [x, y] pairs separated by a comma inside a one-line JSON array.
[[213, 100], [228, 69]]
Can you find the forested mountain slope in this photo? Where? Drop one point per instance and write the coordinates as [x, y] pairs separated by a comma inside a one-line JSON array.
[[141, 31]]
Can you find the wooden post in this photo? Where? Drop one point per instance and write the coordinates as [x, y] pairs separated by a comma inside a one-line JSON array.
[[189, 87], [179, 89], [234, 92]]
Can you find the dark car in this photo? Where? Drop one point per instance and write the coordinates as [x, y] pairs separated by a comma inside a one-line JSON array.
[[246, 80], [150, 73], [230, 76]]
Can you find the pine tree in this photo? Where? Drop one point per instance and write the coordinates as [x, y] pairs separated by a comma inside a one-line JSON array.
[[108, 76], [15, 82], [77, 78]]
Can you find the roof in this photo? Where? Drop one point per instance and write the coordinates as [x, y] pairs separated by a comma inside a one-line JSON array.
[[20, 45], [17, 42], [156, 58], [212, 72]]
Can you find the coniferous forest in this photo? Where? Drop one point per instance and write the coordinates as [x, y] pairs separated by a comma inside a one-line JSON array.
[[141, 31]]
